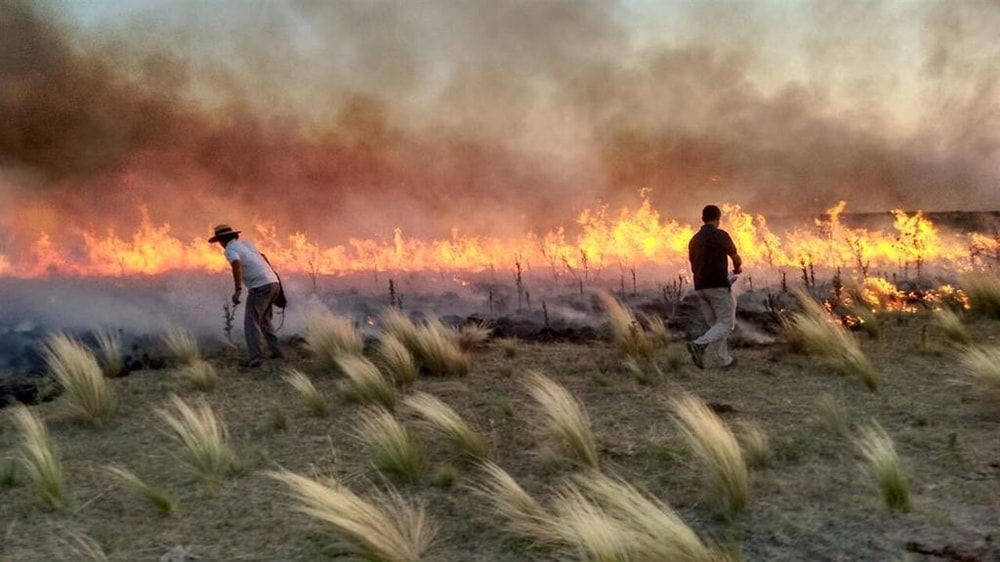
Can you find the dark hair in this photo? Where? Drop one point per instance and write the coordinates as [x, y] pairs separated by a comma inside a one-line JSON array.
[[710, 213]]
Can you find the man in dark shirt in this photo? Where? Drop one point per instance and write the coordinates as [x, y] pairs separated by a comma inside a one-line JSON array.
[[709, 252]]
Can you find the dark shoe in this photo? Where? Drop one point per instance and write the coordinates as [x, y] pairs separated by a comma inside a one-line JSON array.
[[697, 351]]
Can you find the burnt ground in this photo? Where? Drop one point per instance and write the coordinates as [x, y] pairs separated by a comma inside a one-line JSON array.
[[814, 502]]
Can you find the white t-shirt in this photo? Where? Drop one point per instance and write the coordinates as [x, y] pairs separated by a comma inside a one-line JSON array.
[[256, 271]]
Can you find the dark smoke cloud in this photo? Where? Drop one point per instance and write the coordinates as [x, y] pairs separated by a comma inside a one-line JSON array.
[[340, 118]]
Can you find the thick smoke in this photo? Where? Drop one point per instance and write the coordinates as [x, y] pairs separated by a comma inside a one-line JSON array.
[[350, 118]]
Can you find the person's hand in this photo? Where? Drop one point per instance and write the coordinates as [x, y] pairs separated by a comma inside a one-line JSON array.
[[236, 296]]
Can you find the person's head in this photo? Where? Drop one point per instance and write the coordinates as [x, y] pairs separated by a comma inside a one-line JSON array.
[[223, 235], [711, 215]]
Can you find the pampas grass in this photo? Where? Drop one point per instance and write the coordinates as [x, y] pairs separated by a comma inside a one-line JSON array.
[[952, 326], [756, 445], [438, 351], [659, 335], [816, 332], [716, 446], [627, 335], [39, 458], [392, 448], [111, 352], [365, 383], [884, 465], [86, 390], [593, 534], [314, 400], [525, 516], [330, 338], [157, 498], [386, 528], [204, 438], [181, 345], [200, 374], [442, 419], [474, 335], [393, 321], [983, 289], [982, 368], [565, 420], [397, 360]]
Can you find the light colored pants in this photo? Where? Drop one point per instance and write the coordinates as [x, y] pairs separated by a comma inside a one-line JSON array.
[[257, 321], [718, 306]]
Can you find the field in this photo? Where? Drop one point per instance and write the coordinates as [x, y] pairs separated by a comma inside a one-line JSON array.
[[813, 499]]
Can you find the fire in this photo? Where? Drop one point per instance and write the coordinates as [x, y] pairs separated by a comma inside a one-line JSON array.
[[630, 238]]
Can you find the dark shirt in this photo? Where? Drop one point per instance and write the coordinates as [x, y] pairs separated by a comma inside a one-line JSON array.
[[709, 251]]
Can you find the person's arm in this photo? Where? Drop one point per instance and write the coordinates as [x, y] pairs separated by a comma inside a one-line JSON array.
[[237, 280], [737, 263]]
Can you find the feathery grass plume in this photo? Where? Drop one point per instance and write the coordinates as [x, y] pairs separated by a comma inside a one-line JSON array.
[[204, 438], [441, 418], [819, 334], [626, 333], [329, 337], [396, 359], [525, 516], [277, 419], [111, 352], [756, 445], [365, 383], [983, 289], [659, 335], [158, 498], [831, 414], [658, 532], [391, 446], [8, 473], [200, 374], [509, 346], [594, 535], [565, 419], [952, 326], [39, 458], [183, 347], [884, 464], [86, 390], [438, 350], [314, 400], [716, 446], [385, 528], [982, 366], [474, 335], [79, 546], [393, 321]]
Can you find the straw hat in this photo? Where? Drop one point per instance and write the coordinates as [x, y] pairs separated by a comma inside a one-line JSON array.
[[223, 231]]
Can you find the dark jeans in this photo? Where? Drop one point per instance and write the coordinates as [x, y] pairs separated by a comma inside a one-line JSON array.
[[257, 321]]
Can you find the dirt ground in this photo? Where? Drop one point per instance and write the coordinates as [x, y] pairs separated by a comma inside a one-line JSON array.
[[814, 502]]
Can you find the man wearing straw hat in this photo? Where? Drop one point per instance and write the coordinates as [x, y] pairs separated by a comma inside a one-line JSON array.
[[252, 271]]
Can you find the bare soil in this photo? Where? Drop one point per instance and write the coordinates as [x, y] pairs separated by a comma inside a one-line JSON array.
[[814, 502]]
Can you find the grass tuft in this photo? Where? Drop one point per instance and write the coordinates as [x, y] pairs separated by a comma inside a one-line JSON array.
[[983, 289], [394, 322], [715, 445], [831, 414], [392, 448], [982, 367], [204, 438], [183, 347], [952, 326], [329, 338], [397, 360], [474, 335], [627, 335], [438, 350], [86, 390], [76, 545], [39, 458], [159, 499], [8, 473], [566, 422], [885, 466], [200, 375], [365, 383], [509, 346], [112, 362], [525, 516], [314, 400], [441, 418], [756, 445]]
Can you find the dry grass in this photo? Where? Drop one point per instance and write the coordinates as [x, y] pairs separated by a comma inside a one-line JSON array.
[[8, 473], [756, 445], [397, 360], [719, 452], [818, 334], [393, 321], [982, 368], [588, 532], [659, 335], [983, 289], [154, 496], [201, 375], [330, 338], [365, 383], [204, 438], [952, 326], [393, 450], [39, 458], [509, 346], [86, 390], [110, 347], [885, 466], [181, 345], [314, 400], [525, 517], [474, 335], [78, 546], [438, 351], [831, 414], [627, 335], [442, 419], [566, 421], [387, 528]]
